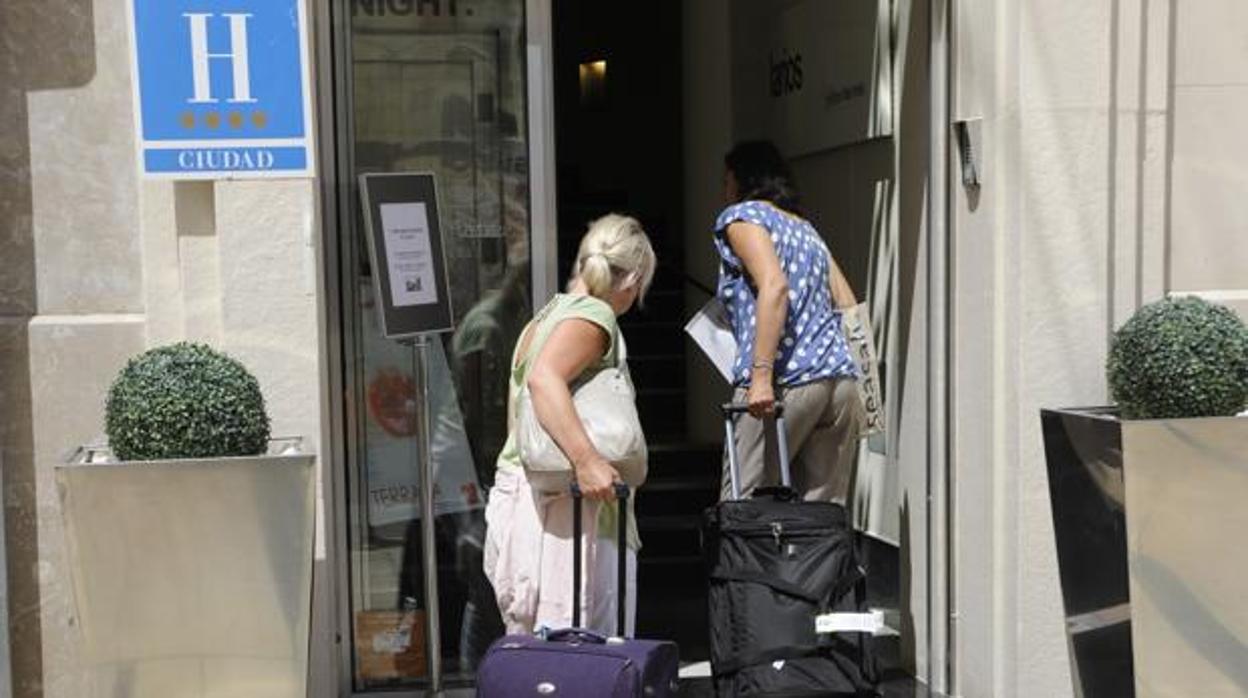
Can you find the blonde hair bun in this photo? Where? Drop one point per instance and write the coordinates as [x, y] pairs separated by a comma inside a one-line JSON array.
[[615, 251]]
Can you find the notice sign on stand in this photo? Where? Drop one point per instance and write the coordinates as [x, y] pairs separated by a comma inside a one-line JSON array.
[[221, 88], [405, 245], [409, 254]]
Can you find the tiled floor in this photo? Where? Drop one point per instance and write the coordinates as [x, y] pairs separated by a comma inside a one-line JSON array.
[[892, 687]]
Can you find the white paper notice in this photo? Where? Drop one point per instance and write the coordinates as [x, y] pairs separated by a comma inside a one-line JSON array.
[[409, 254], [711, 329]]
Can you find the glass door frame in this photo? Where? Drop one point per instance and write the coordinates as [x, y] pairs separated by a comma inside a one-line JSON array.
[[332, 40], [335, 125]]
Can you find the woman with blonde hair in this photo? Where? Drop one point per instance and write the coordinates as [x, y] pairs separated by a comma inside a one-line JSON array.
[[528, 549]]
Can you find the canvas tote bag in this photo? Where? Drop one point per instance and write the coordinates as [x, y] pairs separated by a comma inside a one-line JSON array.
[[856, 326]]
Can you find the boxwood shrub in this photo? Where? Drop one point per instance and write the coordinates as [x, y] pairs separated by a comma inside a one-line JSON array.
[[1180, 357], [185, 401]]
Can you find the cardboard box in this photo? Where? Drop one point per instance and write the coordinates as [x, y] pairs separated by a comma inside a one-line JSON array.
[[389, 645]]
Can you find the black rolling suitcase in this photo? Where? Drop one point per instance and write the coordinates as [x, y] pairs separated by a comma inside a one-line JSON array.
[[777, 567]]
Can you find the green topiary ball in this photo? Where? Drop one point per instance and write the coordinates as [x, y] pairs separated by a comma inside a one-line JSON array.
[[1180, 357], [185, 401]]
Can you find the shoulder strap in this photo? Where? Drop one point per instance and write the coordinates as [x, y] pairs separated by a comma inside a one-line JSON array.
[[527, 346], [617, 342], [842, 293], [528, 336]]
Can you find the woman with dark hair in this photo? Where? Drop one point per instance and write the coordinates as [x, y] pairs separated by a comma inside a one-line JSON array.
[[782, 290]]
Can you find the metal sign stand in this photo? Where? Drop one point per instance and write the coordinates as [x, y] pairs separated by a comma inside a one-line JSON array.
[[5, 687], [424, 468], [395, 247]]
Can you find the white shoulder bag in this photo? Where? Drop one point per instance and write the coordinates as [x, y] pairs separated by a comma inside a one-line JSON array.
[[607, 405]]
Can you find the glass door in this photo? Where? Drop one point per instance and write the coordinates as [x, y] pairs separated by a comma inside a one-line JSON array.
[[432, 87]]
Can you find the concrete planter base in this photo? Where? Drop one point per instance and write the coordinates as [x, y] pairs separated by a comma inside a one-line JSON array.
[[192, 578]]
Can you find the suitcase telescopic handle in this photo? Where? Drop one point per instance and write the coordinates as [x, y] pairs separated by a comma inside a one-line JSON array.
[[731, 411], [621, 578], [580, 635]]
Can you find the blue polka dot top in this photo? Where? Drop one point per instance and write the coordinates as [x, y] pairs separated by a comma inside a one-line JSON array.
[[812, 346]]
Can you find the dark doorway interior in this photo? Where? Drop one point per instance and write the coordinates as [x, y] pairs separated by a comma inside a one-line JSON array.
[[618, 98], [618, 119], [618, 128]]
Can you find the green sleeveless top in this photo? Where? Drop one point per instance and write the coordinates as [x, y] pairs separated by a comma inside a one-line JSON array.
[[565, 306]]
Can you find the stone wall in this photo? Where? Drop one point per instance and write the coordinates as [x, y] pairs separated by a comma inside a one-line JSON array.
[[99, 265], [1113, 174]]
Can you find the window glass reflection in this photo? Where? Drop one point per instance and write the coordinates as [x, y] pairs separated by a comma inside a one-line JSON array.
[[437, 87]]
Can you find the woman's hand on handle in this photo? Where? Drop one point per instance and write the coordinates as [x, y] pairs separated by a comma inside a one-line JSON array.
[[596, 478], [761, 396]]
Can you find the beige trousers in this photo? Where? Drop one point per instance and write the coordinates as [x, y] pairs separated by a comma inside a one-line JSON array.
[[822, 421]]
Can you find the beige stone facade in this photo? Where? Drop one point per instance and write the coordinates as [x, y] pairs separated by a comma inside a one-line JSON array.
[[1113, 170], [98, 265]]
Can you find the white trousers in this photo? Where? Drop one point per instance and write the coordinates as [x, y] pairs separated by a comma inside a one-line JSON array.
[[602, 611], [528, 560]]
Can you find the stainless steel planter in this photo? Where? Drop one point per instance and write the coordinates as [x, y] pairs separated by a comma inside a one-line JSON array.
[[1187, 525], [1150, 518], [192, 578], [1084, 455]]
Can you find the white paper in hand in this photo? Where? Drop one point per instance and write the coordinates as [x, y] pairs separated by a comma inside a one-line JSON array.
[[711, 329]]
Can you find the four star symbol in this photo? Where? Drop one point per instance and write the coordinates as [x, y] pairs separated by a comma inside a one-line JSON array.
[[212, 119]]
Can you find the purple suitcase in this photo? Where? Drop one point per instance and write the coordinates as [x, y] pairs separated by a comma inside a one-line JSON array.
[[575, 663]]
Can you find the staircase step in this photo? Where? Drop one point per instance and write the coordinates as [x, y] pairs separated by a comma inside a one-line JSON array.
[[682, 563], [662, 415], [679, 483], [653, 337], [662, 430], [685, 503], [668, 544], [662, 303], [658, 390], [668, 523], [676, 460], [658, 370], [677, 610]]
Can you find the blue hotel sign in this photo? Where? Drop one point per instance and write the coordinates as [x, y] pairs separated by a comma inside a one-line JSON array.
[[221, 88]]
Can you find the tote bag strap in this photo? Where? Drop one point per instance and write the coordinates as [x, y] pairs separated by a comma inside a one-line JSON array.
[[528, 345], [842, 293], [617, 341]]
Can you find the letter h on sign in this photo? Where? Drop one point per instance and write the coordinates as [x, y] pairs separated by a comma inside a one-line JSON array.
[[237, 57]]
